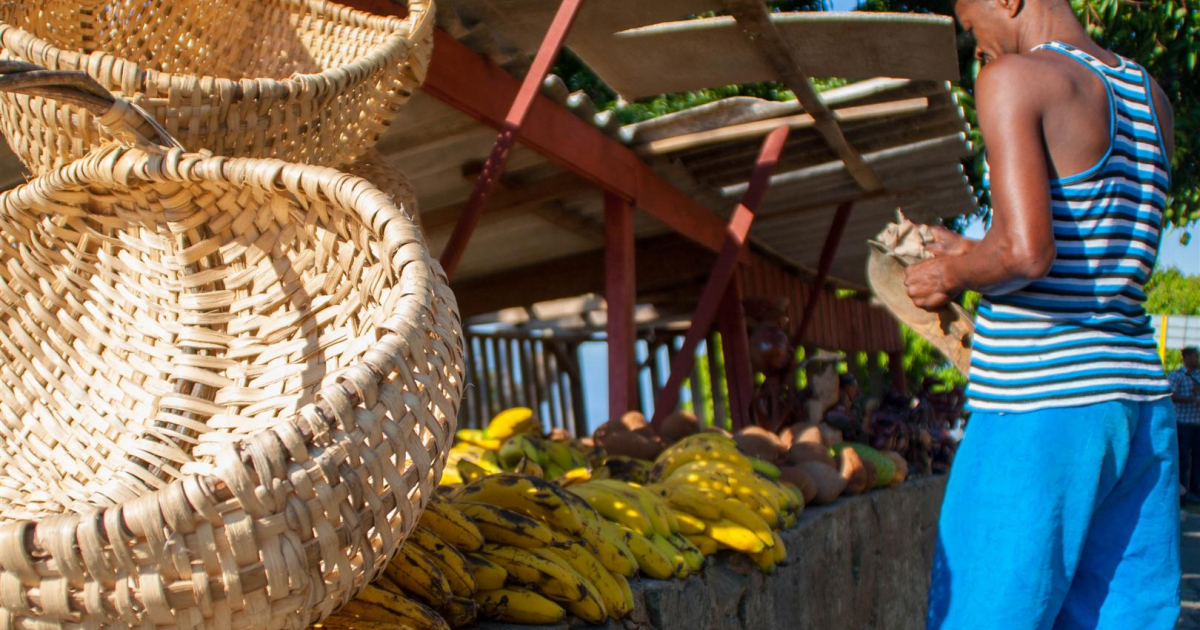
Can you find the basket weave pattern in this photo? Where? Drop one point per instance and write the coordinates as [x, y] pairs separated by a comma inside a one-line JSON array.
[[227, 387], [306, 81]]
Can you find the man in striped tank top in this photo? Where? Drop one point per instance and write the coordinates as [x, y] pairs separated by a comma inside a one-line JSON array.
[[1062, 508]]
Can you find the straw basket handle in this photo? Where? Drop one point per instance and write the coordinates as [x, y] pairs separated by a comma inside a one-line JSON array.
[[126, 121]]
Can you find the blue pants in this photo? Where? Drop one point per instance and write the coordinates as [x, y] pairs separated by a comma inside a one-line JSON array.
[[1063, 519]]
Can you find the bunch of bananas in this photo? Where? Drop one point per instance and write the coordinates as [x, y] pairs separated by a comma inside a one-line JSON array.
[[431, 584], [511, 443], [543, 553], [642, 525], [721, 502]]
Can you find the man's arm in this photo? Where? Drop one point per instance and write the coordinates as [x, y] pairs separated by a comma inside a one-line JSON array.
[[1019, 247]]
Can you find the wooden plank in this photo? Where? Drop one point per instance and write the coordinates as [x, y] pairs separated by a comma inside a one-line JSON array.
[[714, 289], [620, 295], [490, 392], [759, 128], [736, 347], [756, 21], [522, 103]]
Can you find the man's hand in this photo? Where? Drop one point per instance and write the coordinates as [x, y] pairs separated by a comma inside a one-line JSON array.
[[949, 243], [929, 284]]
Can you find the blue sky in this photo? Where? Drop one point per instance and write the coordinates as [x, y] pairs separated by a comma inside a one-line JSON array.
[[843, 5]]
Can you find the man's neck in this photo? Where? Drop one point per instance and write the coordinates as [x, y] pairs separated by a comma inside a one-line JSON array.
[[1045, 22]]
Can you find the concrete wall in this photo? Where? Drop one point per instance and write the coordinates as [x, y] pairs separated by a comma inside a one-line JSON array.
[[860, 564]]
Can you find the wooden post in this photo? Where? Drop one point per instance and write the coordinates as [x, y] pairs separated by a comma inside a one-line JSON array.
[[494, 166], [620, 282], [714, 289], [735, 344], [896, 369], [832, 240]]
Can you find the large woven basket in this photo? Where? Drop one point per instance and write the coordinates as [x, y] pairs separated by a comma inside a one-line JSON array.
[[227, 388], [306, 81]]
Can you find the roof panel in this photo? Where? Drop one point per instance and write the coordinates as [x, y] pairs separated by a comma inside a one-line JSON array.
[[709, 52]]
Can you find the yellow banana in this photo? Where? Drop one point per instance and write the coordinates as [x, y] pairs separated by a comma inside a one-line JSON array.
[[518, 605], [510, 422], [545, 576], [460, 611], [406, 612], [450, 476], [706, 545], [626, 595], [574, 476], [478, 438], [734, 536], [417, 573], [692, 500], [450, 560], [488, 575], [591, 605], [742, 515], [506, 527], [779, 549], [684, 451], [647, 503], [529, 467], [651, 561], [765, 560], [589, 567], [470, 471], [680, 568], [453, 526], [533, 497], [610, 548], [691, 554], [615, 506], [689, 524]]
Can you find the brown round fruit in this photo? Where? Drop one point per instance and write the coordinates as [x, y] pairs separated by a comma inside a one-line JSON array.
[[679, 425], [759, 442], [802, 480], [805, 432], [633, 420], [631, 445], [854, 471], [829, 483], [801, 452]]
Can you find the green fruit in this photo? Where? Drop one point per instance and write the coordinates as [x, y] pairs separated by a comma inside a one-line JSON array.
[[765, 468]]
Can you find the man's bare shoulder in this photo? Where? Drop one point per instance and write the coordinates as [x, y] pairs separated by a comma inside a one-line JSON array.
[[1029, 78]]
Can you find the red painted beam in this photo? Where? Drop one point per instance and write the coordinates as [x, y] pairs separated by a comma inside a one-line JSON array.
[[470, 83], [517, 113], [731, 322], [832, 240], [620, 293], [715, 289]]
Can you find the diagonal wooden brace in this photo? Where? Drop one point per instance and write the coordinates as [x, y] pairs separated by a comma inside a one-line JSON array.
[[715, 288], [494, 166]]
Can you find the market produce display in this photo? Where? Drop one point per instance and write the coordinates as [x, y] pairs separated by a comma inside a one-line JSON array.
[[531, 529]]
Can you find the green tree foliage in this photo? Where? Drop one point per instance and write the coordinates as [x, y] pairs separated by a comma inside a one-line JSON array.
[[1161, 35], [1170, 292]]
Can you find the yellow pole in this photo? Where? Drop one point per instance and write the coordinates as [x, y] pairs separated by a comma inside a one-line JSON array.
[[1162, 340]]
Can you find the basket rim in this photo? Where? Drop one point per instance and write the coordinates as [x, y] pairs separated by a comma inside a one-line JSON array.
[[133, 77], [355, 384]]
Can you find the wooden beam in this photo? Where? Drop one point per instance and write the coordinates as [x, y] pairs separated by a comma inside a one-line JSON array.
[[517, 113], [568, 220], [755, 19], [620, 294], [735, 345], [758, 128], [714, 290], [832, 240], [470, 83]]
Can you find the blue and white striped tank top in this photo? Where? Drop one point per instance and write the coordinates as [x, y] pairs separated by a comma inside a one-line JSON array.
[[1080, 335]]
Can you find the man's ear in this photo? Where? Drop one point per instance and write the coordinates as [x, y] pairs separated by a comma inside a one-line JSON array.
[[1012, 7]]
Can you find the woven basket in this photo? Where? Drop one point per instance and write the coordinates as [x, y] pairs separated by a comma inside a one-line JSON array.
[[227, 389], [305, 81], [375, 168]]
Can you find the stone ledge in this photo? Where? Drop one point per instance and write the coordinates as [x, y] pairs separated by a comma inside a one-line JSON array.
[[861, 563]]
